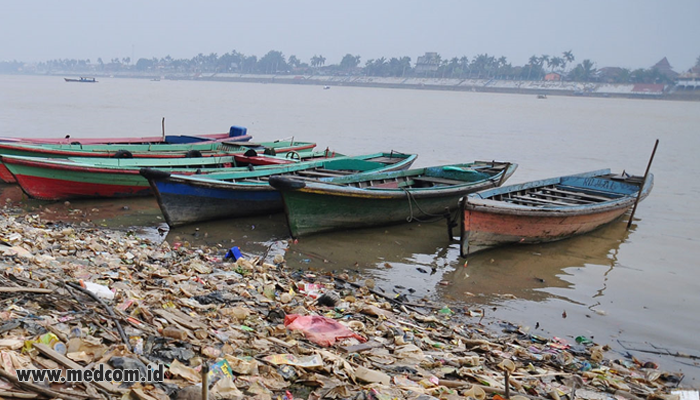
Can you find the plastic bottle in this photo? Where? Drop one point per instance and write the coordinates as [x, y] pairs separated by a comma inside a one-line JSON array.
[[174, 332], [101, 291], [138, 346], [75, 333]]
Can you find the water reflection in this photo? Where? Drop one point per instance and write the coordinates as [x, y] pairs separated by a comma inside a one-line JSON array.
[[414, 259], [526, 271]]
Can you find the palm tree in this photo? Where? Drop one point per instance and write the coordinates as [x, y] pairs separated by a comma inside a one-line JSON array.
[[568, 57], [463, 64], [555, 62], [533, 60]]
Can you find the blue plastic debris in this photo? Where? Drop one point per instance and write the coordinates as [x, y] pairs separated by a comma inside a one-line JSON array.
[[234, 253]]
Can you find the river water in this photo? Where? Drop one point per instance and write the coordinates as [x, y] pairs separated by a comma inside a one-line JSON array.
[[630, 289]]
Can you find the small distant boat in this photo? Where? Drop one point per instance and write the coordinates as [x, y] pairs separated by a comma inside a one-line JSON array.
[[376, 199], [547, 210], [541, 96], [81, 79], [326, 87]]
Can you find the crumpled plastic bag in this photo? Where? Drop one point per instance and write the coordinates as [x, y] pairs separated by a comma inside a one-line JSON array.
[[320, 330]]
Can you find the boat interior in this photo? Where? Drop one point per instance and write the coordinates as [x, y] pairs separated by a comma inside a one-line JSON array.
[[332, 169]]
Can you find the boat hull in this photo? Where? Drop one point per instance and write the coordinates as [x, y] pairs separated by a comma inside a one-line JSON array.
[[5, 174], [483, 230], [547, 210], [183, 204], [311, 212], [207, 149], [184, 200], [323, 207], [57, 179], [173, 139], [46, 183]]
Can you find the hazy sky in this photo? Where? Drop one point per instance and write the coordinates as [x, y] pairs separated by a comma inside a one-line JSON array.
[[626, 33]]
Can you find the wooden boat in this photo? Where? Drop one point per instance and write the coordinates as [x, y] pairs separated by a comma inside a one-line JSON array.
[[384, 198], [86, 177], [547, 210], [205, 149], [236, 133], [82, 79], [188, 199]]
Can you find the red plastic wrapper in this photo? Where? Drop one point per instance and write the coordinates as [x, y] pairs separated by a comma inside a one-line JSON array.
[[320, 330]]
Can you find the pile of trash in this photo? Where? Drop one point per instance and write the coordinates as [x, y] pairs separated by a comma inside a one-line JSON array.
[[211, 321]]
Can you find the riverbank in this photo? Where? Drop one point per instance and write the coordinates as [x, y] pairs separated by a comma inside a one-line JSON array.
[[541, 89], [249, 318]]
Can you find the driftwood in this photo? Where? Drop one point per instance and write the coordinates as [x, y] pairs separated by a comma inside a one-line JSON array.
[[35, 388], [109, 310], [13, 289], [67, 362]]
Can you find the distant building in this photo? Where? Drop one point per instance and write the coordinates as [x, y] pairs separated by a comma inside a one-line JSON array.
[[690, 79], [552, 76], [427, 63], [664, 68], [650, 89]]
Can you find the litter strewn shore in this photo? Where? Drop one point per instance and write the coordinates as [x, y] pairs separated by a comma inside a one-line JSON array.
[[76, 296]]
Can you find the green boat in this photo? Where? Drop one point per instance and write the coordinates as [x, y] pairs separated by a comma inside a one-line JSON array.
[[191, 150], [86, 177], [377, 199]]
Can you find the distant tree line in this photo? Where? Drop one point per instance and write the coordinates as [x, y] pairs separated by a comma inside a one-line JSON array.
[[481, 66]]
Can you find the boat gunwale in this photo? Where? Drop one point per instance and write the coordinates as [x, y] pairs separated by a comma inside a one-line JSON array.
[[211, 180], [476, 202], [329, 188]]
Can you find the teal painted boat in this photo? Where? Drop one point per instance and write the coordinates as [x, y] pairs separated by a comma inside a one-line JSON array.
[[191, 150], [384, 198], [87, 177], [189, 199]]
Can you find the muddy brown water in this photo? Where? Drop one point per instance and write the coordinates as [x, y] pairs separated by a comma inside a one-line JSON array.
[[636, 289]]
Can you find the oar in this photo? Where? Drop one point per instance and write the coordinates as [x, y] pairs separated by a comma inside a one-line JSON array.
[[162, 125], [644, 181]]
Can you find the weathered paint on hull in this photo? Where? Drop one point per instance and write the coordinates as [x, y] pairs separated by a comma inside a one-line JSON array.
[[184, 204], [6, 175], [59, 189], [309, 213], [57, 184], [484, 230]]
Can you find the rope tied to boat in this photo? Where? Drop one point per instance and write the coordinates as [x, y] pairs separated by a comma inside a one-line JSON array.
[[411, 217]]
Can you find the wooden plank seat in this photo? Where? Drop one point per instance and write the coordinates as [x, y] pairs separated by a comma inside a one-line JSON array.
[[573, 191], [547, 193], [541, 201]]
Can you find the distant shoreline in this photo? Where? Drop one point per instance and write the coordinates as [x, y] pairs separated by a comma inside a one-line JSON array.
[[537, 88]]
